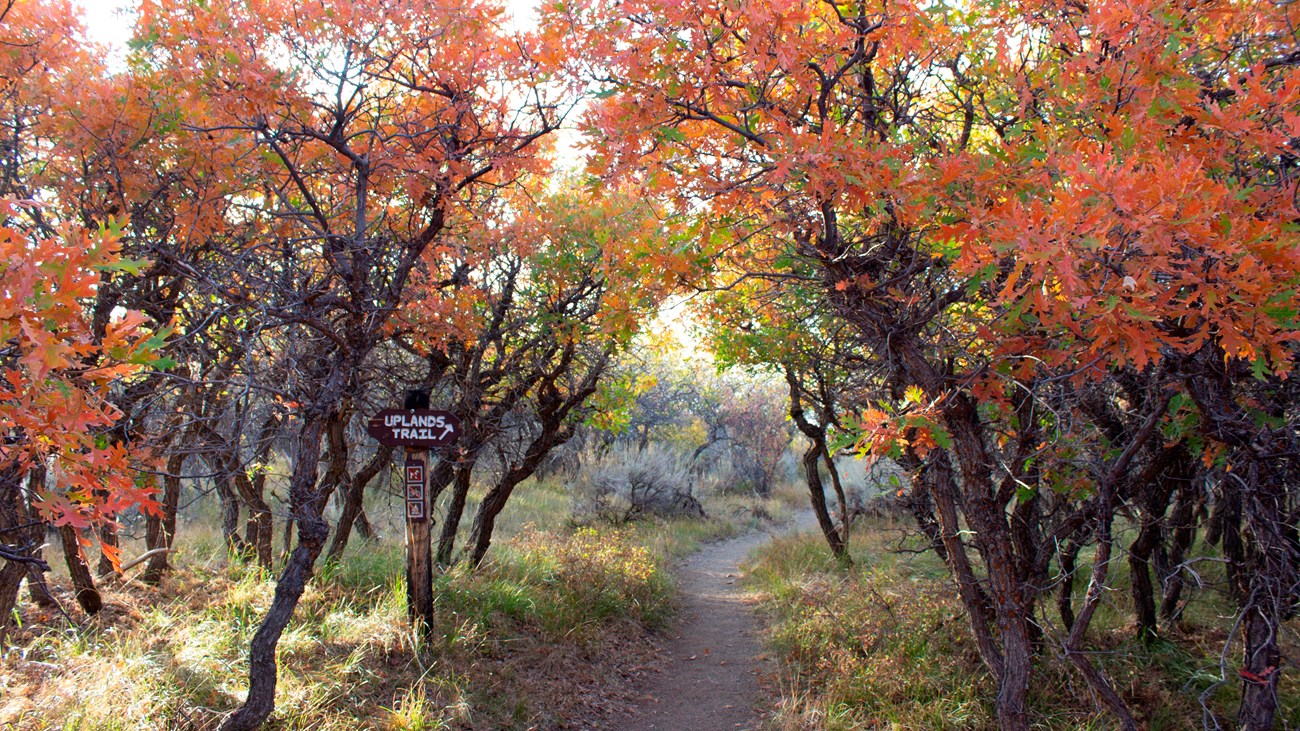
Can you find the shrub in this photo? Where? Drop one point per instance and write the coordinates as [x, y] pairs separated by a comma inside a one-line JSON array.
[[626, 484]]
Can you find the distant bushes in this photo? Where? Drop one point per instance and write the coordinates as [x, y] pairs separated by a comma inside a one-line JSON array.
[[627, 483]]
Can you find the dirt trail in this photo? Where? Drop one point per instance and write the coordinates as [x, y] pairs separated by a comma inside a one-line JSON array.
[[709, 681]]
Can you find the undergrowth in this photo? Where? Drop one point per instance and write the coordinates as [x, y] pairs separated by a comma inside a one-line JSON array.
[[885, 645], [531, 640], [544, 635]]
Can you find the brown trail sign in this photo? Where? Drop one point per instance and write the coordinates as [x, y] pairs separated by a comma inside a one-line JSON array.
[[416, 430]]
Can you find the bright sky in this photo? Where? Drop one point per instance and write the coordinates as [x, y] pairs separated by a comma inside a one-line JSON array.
[[109, 21]]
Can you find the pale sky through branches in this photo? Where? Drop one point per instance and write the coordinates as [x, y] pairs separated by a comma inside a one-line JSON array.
[[109, 22]]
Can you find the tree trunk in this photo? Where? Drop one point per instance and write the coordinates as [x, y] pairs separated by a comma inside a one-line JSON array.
[[553, 433], [22, 533], [1270, 590], [312, 532], [83, 584], [455, 509], [1096, 590], [353, 501], [920, 503], [1183, 525], [816, 435], [107, 539], [1261, 668], [485, 518], [362, 525], [259, 531], [288, 538], [1155, 489], [1012, 599], [229, 504], [11, 579], [1142, 590], [841, 500], [1226, 528], [160, 531], [1069, 555], [38, 589], [1255, 520], [817, 495], [943, 491]]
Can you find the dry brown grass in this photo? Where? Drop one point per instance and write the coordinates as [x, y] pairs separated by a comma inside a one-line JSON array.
[[885, 646], [172, 657]]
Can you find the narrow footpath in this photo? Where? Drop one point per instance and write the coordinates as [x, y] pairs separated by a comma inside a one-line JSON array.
[[709, 681]]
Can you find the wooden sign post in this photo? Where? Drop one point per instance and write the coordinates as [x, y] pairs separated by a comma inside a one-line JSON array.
[[417, 429], [419, 565]]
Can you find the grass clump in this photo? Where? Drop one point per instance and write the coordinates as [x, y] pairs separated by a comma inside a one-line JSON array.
[[865, 648], [512, 646], [595, 575], [885, 645]]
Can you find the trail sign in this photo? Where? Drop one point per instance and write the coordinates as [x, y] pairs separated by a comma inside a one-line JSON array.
[[426, 428], [417, 429]]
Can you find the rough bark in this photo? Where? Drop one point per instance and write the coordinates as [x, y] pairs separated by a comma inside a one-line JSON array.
[[353, 498], [20, 540], [1092, 599], [553, 433], [1261, 667], [11, 579], [919, 500], [817, 496], [38, 589], [841, 500], [224, 485], [1271, 595], [312, 532], [83, 583], [1067, 560], [812, 457], [1183, 523], [107, 539], [259, 530], [974, 599], [455, 511], [160, 530], [362, 525], [1256, 520], [1154, 487]]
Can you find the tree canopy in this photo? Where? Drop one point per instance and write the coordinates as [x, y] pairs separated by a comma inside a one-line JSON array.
[[1041, 256]]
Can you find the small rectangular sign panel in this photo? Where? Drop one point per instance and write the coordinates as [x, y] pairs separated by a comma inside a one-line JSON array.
[[415, 479], [415, 509], [415, 473]]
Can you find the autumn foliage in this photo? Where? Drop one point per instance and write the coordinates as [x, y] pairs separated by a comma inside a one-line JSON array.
[[1059, 229], [1040, 256], [56, 398]]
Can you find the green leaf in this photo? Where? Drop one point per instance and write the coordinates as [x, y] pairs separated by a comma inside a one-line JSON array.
[[941, 436], [130, 266], [671, 134]]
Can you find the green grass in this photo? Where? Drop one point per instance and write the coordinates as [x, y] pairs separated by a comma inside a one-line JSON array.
[[176, 659], [512, 646], [885, 645]]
